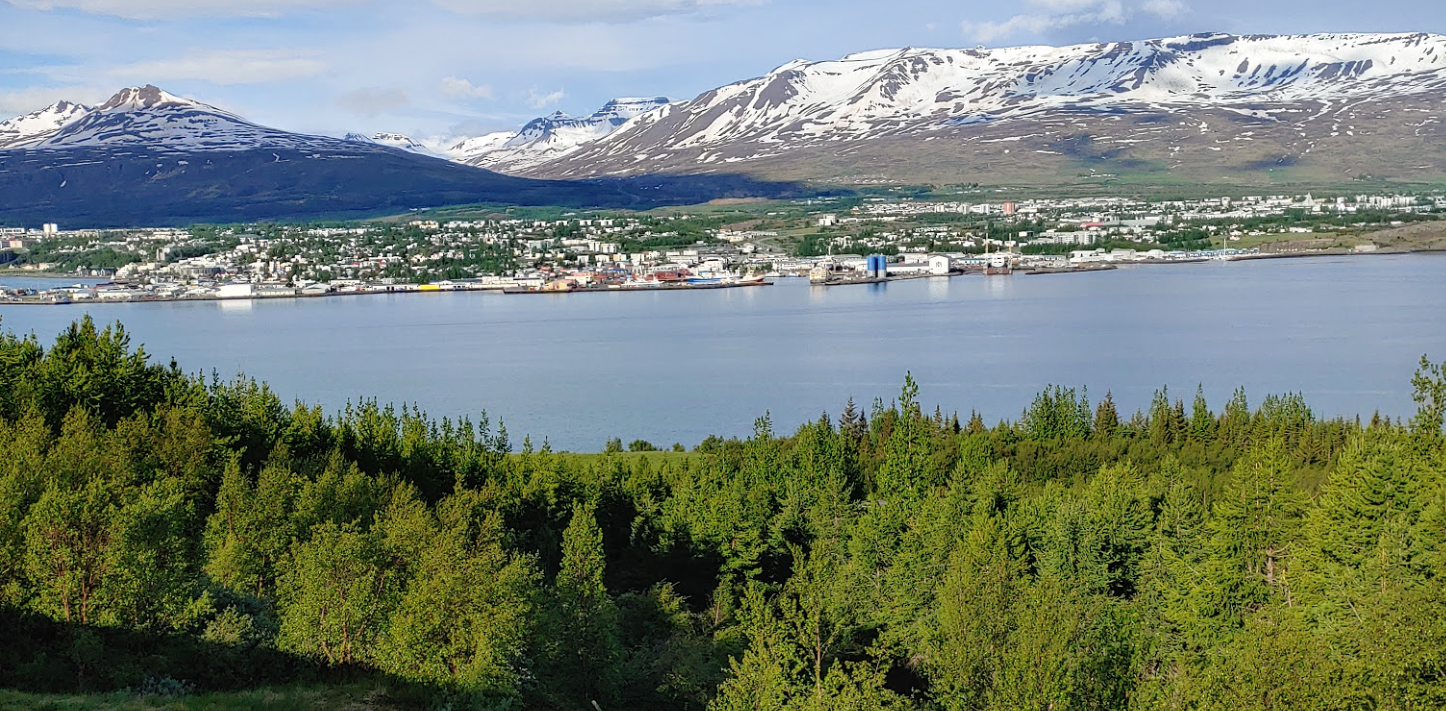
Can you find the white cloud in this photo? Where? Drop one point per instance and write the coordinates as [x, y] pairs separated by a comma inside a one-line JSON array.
[[372, 101], [224, 67], [557, 11], [582, 11], [463, 89], [1165, 9], [539, 100], [1065, 6], [1061, 14], [162, 9], [521, 55], [23, 101]]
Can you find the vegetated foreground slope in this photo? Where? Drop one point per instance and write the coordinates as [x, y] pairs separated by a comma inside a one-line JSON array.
[[159, 530], [166, 696]]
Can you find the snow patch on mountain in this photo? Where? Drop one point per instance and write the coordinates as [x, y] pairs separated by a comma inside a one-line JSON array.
[[394, 140], [881, 94], [149, 117], [550, 137], [476, 146], [919, 91], [39, 125]]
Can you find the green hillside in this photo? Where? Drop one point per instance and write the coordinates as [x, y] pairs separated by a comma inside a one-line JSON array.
[[169, 542]]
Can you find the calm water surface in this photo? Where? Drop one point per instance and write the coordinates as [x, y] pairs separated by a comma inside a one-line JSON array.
[[676, 367]]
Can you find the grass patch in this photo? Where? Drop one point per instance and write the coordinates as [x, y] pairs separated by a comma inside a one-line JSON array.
[[358, 697], [631, 458]]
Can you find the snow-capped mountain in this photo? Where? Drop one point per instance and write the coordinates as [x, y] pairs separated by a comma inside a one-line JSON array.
[[472, 147], [1258, 110], [939, 93], [39, 125], [550, 137], [146, 157], [862, 94], [392, 140], [541, 140], [152, 118]]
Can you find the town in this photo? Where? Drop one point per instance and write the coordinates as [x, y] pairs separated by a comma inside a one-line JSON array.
[[832, 240]]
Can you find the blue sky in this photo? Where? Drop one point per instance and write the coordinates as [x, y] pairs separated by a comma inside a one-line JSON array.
[[463, 67]]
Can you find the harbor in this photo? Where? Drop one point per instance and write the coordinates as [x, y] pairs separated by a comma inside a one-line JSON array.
[[654, 287], [830, 271], [118, 292]]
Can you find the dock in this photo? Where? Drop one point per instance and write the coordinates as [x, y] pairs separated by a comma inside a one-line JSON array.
[[620, 288], [1072, 270], [879, 280]]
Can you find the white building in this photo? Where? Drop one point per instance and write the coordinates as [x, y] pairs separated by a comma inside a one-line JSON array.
[[235, 291]]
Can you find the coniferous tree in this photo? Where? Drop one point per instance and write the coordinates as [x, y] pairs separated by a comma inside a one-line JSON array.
[[848, 422], [587, 635], [975, 620], [1235, 420], [1362, 538], [1255, 523], [1107, 418], [976, 423], [904, 471], [1202, 421]]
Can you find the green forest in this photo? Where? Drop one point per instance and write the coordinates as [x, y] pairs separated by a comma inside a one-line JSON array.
[[167, 533]]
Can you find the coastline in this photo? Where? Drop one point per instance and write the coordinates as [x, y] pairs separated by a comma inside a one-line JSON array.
[[298, 294], [416, 289], [623, 288], [58, 276]]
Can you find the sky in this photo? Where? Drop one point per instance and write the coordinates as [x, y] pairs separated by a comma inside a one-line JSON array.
[[453, 68]]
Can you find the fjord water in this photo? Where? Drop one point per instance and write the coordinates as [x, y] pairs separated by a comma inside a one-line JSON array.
[[677, 367]]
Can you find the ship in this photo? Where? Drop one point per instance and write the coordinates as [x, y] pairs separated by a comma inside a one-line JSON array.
[[998, 265]]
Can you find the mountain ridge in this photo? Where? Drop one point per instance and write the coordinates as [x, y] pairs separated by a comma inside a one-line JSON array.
[[1197, 110], [551, 137], [940, 93], [40, 124], [146, 157]]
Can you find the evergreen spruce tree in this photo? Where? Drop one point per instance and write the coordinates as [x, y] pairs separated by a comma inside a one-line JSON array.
[[1256, 521], [848, 422], [904, 471], [1202, 421], [976, 423], [1365, 537], [1107, 418], [587, 636]]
